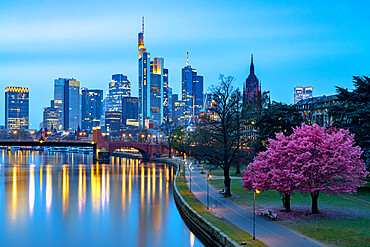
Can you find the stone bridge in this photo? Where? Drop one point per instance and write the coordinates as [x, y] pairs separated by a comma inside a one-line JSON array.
[[105, 148]]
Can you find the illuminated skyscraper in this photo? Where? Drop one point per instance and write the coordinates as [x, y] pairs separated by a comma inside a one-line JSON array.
[[92, 108], [119, 87], [166, 97], [67, 100], [252, 87], [156, 91], [144, 80], [50, 117], [301, 93], [16, 108], [192, 92]]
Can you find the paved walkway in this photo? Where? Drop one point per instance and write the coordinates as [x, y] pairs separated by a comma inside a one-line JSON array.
[[267, 231]]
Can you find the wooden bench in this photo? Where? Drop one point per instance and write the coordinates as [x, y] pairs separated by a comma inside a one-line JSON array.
[[269, 214]]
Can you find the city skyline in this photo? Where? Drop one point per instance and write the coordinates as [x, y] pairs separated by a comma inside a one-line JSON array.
[[293, 44]]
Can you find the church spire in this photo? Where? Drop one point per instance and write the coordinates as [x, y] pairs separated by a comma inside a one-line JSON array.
[[252, 66]]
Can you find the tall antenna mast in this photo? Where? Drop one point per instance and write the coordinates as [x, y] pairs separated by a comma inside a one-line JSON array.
[[142, 29], [187, 58]]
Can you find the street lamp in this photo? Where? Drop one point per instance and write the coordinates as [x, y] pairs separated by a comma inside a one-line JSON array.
[[254, 212], [190, 168], [208, 177]]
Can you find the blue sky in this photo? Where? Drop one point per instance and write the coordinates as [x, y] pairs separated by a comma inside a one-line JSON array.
[[316, 43]]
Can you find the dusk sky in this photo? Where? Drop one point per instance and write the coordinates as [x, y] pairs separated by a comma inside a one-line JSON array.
[[295, 43]]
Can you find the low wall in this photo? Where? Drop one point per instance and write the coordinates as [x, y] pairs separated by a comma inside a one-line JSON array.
[[203, 229]]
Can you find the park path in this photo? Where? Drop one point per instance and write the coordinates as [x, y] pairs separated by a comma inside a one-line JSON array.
[[267, 231]]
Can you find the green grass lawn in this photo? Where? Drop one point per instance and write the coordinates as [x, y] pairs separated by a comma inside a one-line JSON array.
[[219, 171], [341, 221]]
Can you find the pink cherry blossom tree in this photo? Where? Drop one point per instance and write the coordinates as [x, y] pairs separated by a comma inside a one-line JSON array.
[[308, 161]]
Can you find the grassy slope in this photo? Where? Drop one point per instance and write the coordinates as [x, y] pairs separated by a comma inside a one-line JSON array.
[[224, 225]]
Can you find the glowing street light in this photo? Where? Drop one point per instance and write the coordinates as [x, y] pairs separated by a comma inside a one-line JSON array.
[[190, 168], [254, 212], [209, 176]]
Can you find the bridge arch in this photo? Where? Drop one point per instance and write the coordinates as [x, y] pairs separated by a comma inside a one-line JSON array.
[[144, 153]]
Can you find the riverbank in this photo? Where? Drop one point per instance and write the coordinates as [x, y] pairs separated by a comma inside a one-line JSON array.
[[213, 229]]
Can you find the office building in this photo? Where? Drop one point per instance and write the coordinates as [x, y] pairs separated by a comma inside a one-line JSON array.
[[119, 87], [192, 93], [156, 91], [178, 110], [166, 96], [169, 105], [144, 81], [16, 108], [66, 99], [92, 108], [112, 120], [50, 118], [130, 112], [301, 93], [251, 88]]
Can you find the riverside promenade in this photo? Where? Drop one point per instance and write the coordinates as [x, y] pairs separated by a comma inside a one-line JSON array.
[[267, 231]]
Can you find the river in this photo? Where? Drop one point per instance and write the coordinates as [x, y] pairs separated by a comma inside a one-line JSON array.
[[65, 199]]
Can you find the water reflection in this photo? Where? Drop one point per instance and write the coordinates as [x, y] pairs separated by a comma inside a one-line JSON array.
[[126, 202]]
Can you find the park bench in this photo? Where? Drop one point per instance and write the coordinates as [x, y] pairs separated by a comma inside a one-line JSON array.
[[269, 214]]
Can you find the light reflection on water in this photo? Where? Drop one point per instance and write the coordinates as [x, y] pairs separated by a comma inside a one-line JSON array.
[[62, 199]]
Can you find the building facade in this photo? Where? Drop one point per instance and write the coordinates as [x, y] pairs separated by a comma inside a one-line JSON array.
[[113, 120], [119, 87], [156, 91], [16, 108], [130, 112], [50, 118], [315, 110], [67, 100], [92, 108], [301, 93], [144, 81], [192, 93]]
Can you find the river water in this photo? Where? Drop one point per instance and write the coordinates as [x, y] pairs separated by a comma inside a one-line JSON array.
[[65, 199]]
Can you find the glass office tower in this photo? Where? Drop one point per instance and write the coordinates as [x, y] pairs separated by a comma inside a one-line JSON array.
[[67, 100], [192, 93], [16, 108], [119, 87], [92, 108]]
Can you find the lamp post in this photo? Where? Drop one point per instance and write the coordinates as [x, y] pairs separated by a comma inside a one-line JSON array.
[[208, 177], [254, 212], [190, 168]]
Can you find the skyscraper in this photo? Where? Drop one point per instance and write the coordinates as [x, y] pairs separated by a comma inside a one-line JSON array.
[[144, 80], [301, 93], [66, 99], [50, 117], [130, 114], [16, 108], [192, 92], [166, 97], [92, 108], [156, 91], [119, 87], [113, 120], [252, 87]]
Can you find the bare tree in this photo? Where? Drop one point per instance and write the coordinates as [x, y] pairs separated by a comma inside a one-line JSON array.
[[218, 138]]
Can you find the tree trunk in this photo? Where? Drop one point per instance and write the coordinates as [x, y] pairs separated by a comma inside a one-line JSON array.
[[286, 202], [169, 153], [237, 168], [315, 196], [227, 182]]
